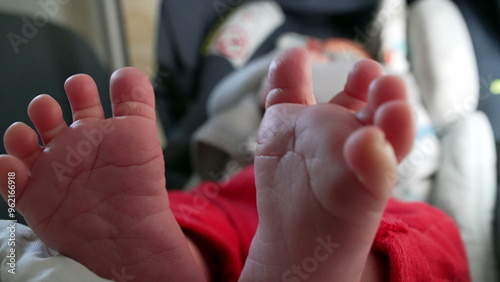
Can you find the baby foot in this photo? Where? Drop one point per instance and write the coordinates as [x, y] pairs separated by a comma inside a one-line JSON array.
[[96, 190], [324, 172]]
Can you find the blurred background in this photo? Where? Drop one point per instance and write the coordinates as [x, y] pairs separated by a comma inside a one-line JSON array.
[[89, 19], [94, 36]]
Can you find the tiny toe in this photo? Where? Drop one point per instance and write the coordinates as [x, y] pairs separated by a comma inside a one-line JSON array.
[[355, 93], [396, 120], [382, 90], [83, 97], [21, 141], [13, 176], [46, 115], [290, 79], [132, 94], [371, 158]]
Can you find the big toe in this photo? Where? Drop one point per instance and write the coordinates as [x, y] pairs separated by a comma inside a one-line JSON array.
[[290, 79], [132, 94]]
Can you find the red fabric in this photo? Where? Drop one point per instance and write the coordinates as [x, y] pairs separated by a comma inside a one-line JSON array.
[[421, 242]]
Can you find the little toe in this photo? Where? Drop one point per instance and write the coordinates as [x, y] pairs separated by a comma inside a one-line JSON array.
[[21, 141], [46, 115], [355, 93], [132, 94], [83, 97], [290, 79], [13, 176], [371, 158]]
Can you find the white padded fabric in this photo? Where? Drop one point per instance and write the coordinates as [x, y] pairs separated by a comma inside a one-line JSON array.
[[443, 61], [465, 188], [36, 262]]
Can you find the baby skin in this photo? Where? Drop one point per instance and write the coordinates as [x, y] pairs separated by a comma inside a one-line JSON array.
[[95, 191]]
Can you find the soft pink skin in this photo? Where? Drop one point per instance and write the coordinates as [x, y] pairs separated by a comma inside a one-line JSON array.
[[111, 211], [322, 171]]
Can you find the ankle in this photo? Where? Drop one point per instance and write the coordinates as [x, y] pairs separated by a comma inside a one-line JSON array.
[[376, 268], [200, 258]]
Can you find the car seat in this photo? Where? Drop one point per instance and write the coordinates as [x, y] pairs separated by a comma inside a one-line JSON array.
[[483, 20]]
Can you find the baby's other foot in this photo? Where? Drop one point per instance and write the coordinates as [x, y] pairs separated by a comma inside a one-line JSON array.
[[324, 172], [96, 190]]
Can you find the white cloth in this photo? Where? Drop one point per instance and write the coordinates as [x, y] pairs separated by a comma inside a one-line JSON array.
[[34, 261]]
